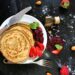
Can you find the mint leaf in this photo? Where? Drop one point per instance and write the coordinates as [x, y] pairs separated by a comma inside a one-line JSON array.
[[58, 46], [34, 25]]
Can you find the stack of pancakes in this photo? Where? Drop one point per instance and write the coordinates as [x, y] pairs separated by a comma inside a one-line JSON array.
[[15, 43]]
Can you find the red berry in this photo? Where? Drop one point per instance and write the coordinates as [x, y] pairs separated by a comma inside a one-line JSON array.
[[30, 54], [38, 35], [39, 29], [41, 39]]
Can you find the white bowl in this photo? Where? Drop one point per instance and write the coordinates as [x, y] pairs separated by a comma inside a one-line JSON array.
[[29, 19]]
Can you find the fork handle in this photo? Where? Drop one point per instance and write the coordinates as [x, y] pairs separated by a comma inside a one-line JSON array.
[[46, 55]]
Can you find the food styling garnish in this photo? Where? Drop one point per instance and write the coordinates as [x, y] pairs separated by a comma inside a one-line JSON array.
[[34, 25]]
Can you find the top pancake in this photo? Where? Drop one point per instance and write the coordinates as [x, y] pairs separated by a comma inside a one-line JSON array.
[[15, 43], [25, 29]]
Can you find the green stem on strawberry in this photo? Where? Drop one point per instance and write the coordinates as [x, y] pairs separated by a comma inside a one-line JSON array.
[[65, 4]]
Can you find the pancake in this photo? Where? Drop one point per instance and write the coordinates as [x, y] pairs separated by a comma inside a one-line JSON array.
[[15, 43], [26, 30]]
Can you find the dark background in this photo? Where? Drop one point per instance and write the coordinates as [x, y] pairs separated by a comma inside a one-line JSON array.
[[48, 7]]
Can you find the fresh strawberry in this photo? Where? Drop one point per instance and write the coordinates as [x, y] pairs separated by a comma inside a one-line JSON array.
[[56, 52], [65, 3], [65, 0], [32, 52], [40, 45], [64, 70], [39, 52], [35, 51]]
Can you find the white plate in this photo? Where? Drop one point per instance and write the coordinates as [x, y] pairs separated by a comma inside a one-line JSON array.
[[30, 19]]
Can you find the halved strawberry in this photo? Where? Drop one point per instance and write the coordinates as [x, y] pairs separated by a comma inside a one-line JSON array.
[[65, 0], [35, 51], [32, 52], [38, 51], [40, 45], [56, 52]]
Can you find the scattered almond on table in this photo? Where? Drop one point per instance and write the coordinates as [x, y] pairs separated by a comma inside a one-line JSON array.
[[73, 48], [57, 20], [38, 2], [48, 73], [50, 20]]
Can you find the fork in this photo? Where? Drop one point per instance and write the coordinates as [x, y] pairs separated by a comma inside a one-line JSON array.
[[58, 62], [48, 57], [43, 63], [49, 65]]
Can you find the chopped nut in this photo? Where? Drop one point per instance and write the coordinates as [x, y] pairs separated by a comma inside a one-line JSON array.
[[38, 2], [49, 32], [57, 20], [48, 21], [73, 48], [48, 73]]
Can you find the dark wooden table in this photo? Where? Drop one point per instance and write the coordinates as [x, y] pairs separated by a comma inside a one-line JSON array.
[[10, 7]]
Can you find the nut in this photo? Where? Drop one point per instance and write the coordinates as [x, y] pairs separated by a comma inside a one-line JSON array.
[[57, 20], [73, 48], [38, 2], [48, 21], [48, 73]]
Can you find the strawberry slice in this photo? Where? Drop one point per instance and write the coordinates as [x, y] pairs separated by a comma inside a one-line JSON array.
[[56, 52], [65, 0], [65, 3], [35, 51], [32, 52], [40, 45], [38, 52]]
